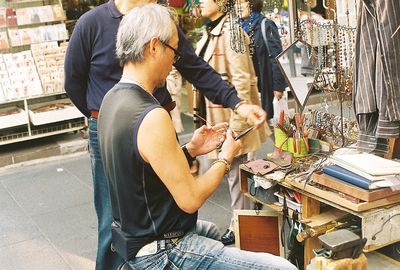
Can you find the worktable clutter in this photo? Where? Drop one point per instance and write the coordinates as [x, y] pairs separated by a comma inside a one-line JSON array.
[[322, 192]]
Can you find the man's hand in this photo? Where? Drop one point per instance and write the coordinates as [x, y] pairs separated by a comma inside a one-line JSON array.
[[278, 94], [206, 139], [253, 113], [230, 148]]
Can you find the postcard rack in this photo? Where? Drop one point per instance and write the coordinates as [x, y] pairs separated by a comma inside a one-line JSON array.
[[33, 103]]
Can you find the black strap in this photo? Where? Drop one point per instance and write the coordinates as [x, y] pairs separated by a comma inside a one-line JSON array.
[[189, 158], [264, 35]]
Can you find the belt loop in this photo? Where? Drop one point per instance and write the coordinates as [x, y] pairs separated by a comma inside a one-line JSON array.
[[162, 244]]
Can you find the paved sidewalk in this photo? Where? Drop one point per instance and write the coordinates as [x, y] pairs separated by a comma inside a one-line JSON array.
[[28, 152]]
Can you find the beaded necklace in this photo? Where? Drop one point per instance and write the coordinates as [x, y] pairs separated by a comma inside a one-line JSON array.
[[237, 40]]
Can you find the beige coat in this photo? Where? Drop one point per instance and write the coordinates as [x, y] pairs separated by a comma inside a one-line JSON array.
[[236, 69]]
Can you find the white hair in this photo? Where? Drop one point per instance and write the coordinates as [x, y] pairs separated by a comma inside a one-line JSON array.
[[138, 27]]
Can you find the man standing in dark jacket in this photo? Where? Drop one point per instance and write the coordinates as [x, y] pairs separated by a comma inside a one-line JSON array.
[[92, 69], [271, 82], [155, 199]]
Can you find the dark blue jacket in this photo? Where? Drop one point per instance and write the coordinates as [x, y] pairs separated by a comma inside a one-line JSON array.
[[270, 77], [92, 69]]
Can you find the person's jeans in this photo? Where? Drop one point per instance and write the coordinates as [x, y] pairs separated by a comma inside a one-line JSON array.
[[200, 249], [106, 259]]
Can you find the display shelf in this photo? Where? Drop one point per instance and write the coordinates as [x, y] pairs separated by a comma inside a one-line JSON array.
[[28, 125], [5, 102], [58, 128], [31, 72], [60, 110], [12, 116], [30, 22]]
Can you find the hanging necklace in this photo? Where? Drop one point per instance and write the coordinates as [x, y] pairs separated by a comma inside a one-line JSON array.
[[251, 30], [311, 23], [194, 12], [236, 33], [320, 47], [125, 79], [273, 6]]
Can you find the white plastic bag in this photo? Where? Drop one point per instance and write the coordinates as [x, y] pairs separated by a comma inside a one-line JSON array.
[[280, 105]]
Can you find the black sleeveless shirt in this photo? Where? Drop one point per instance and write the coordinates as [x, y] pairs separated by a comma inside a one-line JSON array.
[[140, 201]]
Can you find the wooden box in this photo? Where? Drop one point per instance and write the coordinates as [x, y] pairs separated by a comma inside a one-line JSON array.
[[258, 231]]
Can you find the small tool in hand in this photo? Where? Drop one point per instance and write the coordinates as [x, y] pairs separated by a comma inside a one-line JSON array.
[[243, 133], [201, 118]]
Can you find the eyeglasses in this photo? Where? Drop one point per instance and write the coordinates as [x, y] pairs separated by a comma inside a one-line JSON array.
[[177, 56]]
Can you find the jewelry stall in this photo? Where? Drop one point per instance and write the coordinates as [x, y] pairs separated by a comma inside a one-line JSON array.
[[329, 170]]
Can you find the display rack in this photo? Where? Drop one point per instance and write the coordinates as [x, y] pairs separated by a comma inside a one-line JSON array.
[[33, 103], [28, 124]]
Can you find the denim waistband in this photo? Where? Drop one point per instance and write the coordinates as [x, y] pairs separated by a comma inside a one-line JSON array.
[[157, 246]]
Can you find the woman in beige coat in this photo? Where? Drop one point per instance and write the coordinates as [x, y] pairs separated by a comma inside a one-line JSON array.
[[235, 68]]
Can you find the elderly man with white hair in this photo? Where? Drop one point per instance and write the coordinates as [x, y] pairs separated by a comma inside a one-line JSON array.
[[154, 197]]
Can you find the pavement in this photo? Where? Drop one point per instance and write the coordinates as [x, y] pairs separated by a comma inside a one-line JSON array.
[[47, 218]]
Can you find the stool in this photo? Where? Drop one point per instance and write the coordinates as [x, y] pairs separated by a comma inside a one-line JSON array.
[[322, 263]]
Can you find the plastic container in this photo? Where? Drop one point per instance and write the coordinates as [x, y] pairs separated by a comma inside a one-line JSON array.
[[280, 137], [300, 151], [291, 204]]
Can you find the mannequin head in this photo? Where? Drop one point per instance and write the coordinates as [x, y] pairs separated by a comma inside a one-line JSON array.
[[212, 9]]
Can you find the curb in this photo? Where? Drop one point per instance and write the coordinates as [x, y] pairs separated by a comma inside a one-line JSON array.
[[36, 152]]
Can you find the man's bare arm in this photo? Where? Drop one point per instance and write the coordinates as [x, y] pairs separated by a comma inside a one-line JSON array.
[[160, 148]]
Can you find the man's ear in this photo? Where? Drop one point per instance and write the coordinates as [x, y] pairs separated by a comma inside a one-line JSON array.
[[153, 45]]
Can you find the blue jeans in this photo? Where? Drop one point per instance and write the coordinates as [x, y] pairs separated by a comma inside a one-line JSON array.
[[200, 249], [106, 259]]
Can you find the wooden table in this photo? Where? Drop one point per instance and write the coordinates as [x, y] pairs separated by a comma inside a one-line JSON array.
[[380, 219]]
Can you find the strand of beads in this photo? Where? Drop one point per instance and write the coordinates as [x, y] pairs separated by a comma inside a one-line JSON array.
[[237, 42]]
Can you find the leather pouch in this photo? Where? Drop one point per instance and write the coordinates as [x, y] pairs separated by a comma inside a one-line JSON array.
[[124, 246], [261, 167]]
